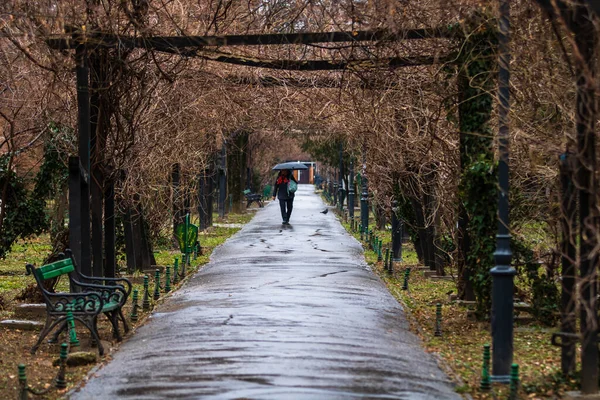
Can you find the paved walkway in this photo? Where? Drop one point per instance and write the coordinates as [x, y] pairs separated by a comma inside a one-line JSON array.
[[281, 312]]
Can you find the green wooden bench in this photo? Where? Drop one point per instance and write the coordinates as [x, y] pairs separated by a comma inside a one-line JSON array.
[[267, 192], [253, 197], [87, 302]]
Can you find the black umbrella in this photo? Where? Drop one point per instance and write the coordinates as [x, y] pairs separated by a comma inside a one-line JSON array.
[[289, 165]]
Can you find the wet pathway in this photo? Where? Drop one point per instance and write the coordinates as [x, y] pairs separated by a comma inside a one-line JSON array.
[[281, 312]]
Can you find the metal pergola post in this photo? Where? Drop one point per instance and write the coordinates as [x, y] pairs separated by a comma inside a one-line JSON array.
[[364, 196], [351, 190], [222, 180], [341, 179], [396, 233], [586, 39], [79, 202], [503, 273]]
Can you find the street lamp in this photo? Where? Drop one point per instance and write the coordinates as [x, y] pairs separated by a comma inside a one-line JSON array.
[[351, 190], [503, 274], [341, 179], [364, 196], [396, 233]]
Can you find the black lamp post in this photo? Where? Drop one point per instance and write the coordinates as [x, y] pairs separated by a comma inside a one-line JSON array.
[[364, 196], [341, 180], [334, 187], [503, 274], [396, 233], [351, 191], [222, 179]]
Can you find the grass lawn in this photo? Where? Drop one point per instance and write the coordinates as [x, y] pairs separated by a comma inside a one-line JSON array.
[[15, 344], [460, 348]]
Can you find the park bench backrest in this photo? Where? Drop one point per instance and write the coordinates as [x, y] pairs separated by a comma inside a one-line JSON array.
[[55, 269], [267, 191]]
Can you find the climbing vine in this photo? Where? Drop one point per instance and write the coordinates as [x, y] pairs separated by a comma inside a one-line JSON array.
[[477, 189], [53, 173], [406, 214], [23, 214], [25, 210], [545, 296]]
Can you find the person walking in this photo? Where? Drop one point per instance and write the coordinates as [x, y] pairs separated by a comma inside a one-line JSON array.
[[286, 198]]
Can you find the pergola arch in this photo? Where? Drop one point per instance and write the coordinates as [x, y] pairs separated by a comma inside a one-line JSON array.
[[195, 47]]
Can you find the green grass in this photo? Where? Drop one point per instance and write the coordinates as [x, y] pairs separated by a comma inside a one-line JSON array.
[[13, 280], [460, 348], [234, 218], [31, 251], [13, 276]]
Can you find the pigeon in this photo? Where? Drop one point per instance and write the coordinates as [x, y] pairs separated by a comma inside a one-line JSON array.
[[325, 211]]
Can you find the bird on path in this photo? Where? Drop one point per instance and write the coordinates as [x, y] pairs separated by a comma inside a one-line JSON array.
[[325, 211]]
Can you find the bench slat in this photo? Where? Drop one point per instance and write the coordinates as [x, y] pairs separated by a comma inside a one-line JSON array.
[[55, 269], [56, 264], [56, 272], [113, 305]]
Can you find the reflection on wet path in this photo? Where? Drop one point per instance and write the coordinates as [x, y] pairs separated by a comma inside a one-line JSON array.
[[281, 312]]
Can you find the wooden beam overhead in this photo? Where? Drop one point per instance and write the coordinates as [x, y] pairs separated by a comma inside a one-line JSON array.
[[164, 43], [328, 65], [308, 82]]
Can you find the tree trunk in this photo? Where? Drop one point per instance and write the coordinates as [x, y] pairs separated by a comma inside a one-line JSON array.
[[110, 262], [205, 198], [236, 169], [381, 217], [176, 197], [138, 247]]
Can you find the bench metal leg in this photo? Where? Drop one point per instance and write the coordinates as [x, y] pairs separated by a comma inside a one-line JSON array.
[[92, 326], [61, 329], [48, 326], [125, 325], [113, 316]]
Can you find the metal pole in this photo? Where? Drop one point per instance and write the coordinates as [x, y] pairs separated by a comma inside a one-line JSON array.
[[110, 266], [503, 274], [587, 42], [335, 188], [83, 107], [341, 178], [222, 182], [396, 233], [97, 146], [202, 200], [75, 212], [175, 201], [364, 196], [330, 188], [569, 256], [351, 191]]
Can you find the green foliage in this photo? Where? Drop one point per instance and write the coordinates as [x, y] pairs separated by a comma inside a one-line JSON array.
[[24, 214], [545, 296], [480, 196], [54, 172], [554, 382], [326, 151], [477, 189], [448, 247], [406, 214], [24, 210]]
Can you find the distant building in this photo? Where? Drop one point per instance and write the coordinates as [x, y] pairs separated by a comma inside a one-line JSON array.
[[308, 175]]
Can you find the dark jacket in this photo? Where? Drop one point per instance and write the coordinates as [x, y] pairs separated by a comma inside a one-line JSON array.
[[280, 189]]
